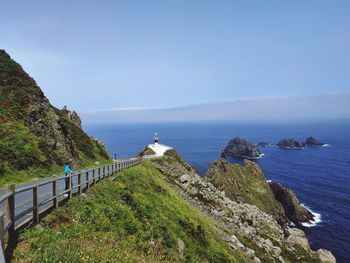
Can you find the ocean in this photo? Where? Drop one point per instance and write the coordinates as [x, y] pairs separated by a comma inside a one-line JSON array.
[[320, 176]]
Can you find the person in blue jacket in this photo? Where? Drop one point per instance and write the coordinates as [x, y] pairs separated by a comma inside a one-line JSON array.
[[67, 172]]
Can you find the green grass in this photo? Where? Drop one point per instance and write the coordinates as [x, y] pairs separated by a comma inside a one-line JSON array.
[[136, 217], [23, 158]]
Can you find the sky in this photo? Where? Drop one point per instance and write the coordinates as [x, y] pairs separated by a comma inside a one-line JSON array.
[[117, 55]]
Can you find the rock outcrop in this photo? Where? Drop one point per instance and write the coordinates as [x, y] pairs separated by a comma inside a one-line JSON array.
[[72, 116], [291, 205], [313, 142], [291, 144], [244, 184], [146, 152], [240, 148], [33, 133], [243, 226]]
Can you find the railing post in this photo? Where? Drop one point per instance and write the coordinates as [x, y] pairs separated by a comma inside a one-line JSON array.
[[55, 191], [79, 183], [108, 170], [2, 233], [35, 202], [103, 171], [93, 176], [10, 210], [70, 185], [87, 180]]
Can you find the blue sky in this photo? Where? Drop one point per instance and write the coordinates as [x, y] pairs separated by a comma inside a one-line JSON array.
[[95, 55]]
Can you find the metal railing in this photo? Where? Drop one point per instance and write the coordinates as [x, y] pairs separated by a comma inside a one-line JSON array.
[[25, 204]]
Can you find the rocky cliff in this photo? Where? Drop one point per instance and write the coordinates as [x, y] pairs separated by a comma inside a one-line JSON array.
[[291, 205], [33, 133], [246, 227], [245, 184]]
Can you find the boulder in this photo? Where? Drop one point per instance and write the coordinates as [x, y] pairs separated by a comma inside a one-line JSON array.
[[291, 144], [240, 148], [298, 237], [325, 256]]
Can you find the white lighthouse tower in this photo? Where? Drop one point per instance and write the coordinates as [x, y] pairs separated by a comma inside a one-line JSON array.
[[155, 138], [159, 149]]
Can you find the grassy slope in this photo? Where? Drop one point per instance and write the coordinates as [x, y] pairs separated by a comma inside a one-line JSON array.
[[136, 217]]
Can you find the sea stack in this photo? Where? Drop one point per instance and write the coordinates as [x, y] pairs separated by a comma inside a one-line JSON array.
[[291, 144], [240, 148]]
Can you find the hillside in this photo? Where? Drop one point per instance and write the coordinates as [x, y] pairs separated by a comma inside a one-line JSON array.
[[244, 183], [35, 137], [135, 218], [162, 211]]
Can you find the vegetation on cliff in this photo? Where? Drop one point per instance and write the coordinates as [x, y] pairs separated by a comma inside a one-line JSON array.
[[35, 137], [152, 213], [134, 217], [244, 183]]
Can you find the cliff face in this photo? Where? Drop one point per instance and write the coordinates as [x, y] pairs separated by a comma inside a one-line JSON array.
[[33, 133], [247, 228], [244, 183], [291, 204]]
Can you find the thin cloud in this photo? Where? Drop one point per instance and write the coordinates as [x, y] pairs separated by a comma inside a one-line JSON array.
[[296, 107]]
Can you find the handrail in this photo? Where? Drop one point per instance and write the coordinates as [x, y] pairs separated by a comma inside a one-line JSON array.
[[51, 197]]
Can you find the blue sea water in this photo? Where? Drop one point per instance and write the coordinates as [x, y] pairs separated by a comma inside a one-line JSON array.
[[320, 176]]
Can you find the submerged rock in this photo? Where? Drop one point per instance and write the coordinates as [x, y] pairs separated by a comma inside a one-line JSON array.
[[238, 147], [311, 141], [291, 205], [291, 144], [263, 144]]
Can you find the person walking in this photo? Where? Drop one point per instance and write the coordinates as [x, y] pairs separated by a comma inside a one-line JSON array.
[[67, 173]]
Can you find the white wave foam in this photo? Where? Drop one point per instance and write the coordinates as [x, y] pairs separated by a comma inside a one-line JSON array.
[[268, 181], [326, 145], [260, 156], [317, 218]]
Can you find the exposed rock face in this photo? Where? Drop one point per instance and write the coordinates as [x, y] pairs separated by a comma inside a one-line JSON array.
[[243, 226], [238, 147], [244, 183], [32, 131], [313, 142], [146, 152], [325, 256], [292, 208], [72, 116], [291, 144]]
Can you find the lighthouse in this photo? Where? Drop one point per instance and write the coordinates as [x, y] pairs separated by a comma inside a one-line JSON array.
[[155, 138]]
